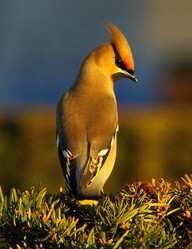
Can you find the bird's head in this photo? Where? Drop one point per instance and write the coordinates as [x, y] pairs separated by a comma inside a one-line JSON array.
[[123, 63], [114, 58]]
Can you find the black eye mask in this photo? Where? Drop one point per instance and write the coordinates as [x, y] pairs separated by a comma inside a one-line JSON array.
[[119, 63]]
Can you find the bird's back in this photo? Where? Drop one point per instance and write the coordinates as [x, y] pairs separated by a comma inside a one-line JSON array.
[[91, 117]]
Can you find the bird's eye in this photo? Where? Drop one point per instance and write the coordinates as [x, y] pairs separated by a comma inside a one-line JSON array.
[[118, 62]]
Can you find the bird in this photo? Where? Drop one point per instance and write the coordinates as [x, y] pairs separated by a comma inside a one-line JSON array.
[[87, 117]]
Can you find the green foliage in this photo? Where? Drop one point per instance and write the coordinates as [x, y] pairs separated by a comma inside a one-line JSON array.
[[143, 215]]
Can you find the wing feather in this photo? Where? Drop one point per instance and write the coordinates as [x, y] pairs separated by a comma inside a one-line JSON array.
[[68, 164], [94, 165]]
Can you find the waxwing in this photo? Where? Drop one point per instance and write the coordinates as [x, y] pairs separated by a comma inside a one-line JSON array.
[[87, 118]]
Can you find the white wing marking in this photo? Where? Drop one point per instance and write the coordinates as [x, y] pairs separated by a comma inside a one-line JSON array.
[[67, 153], [103, 152]]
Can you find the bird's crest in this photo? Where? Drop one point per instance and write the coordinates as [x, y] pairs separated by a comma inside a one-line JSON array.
[[121, 45]]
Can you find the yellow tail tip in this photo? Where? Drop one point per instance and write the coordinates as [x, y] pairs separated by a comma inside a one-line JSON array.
[[88, 202]]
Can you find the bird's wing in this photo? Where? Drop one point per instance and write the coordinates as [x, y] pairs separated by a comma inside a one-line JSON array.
[[70, 136], [95, 164], [68, 164]]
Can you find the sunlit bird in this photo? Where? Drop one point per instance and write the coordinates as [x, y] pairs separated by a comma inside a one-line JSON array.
[[87, 117]]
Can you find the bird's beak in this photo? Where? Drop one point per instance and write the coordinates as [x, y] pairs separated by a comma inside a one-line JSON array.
[[131, 76], [134, 78], [124, 74]]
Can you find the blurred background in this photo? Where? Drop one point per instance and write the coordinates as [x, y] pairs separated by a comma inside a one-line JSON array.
[[42, 44]]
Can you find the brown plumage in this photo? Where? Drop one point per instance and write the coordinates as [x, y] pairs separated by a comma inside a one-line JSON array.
[[87, 117]]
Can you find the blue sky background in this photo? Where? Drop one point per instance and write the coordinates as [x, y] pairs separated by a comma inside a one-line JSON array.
[[42, 44]]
